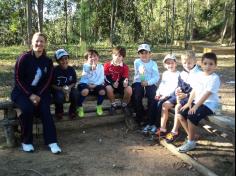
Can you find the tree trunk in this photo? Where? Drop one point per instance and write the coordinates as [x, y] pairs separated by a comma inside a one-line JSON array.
[[172, 24], [167, 22], [226, 20], [186, 25], [66, 22], [112, 21], [191, 20], [40, 15], [29, 22]]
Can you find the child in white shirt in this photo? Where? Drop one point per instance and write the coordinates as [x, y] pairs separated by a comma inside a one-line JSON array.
[[203, 100], [91, 82], [167, 86]]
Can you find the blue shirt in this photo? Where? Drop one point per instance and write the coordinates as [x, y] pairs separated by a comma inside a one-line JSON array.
[[150, 74]]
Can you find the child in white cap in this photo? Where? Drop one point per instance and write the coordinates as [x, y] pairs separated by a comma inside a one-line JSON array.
[[146, 78], [63, 84], [167, 86]]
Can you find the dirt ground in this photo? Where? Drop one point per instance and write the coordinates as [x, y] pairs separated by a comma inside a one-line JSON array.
[[111, 150], [107, 150]]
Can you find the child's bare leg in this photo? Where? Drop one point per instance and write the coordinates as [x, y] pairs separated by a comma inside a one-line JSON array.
[[191, 131], [177, 124], [110, 93], [127, 94], [165, 113], [183, 122]]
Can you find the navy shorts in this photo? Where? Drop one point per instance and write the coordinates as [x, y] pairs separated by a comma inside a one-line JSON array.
[[201, 113], [119, 89], [95, 91], [173, 100]]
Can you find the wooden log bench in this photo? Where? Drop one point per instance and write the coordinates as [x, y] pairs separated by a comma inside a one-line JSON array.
[[219, 125], [219, 50], [9, 120]]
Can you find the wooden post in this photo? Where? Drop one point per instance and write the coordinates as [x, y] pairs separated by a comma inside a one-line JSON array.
[[9, 122]]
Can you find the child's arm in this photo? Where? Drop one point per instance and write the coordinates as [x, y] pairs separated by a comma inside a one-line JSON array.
[[155, 75], [101, 74], [190, 100], [200, 102]]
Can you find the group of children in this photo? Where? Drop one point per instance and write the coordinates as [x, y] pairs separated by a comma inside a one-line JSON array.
[[193, 92]]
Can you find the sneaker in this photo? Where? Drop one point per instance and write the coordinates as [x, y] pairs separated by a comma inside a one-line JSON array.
[[112, 110], [153, 129], [80, 112], [146, 129], [187, 147], [55, 149], [160, 134], [171, 137], [27, 147], [59, 116], [126, 111], [99, 110]]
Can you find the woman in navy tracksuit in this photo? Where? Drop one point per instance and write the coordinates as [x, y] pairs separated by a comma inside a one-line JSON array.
[[33, 74]]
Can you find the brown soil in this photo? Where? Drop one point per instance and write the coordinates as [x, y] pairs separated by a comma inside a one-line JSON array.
[[108, 150]]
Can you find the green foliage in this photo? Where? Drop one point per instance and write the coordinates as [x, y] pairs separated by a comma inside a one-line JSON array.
[[89, 21]]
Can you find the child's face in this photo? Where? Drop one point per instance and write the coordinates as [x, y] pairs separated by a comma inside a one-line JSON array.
[[208, 66], [170, 65], [63, 62], [188, 63], [144, 55], [117, 58], [93, 58]]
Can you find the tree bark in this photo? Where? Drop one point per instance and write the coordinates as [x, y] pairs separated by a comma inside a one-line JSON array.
[[29, 21], [40, 15], [66, 22]]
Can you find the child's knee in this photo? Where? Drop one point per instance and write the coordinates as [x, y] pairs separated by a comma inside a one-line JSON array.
[[128, 90], [85, 92], [102, 92]]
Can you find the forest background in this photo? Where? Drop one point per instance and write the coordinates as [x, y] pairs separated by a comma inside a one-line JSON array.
[[111, 22]]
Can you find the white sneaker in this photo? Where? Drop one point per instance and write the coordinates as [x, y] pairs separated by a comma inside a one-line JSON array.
[[187, 147], [55, 149], [27, 147]]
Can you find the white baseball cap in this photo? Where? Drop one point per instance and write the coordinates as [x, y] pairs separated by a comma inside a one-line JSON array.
[[169, 56], [60, 53], [145, 47]]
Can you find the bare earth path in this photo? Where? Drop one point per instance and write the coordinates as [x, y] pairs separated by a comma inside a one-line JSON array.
[[102, 151]]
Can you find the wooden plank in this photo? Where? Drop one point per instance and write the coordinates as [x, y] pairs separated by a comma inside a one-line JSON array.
[[186, 158]]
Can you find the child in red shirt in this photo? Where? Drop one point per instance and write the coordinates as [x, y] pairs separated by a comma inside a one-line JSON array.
[[117, 79]]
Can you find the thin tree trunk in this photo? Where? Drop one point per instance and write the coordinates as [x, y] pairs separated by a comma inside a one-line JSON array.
[[113, 7], [29, 22], [40, 15], [186, 25], [226, 20], [167, 23], [172, 25], [66, 22]]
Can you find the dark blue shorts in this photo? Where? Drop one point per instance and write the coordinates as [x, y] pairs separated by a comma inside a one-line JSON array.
[[173, 100], [201, 113], [95, 91]]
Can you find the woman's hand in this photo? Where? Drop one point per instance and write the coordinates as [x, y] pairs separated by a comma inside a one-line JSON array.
[[35, 99]]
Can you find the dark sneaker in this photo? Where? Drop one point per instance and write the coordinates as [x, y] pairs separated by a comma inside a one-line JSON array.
[[72, 116], [160, 134], [112, 110], [59, 116], [126, 111], [171, 137]]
